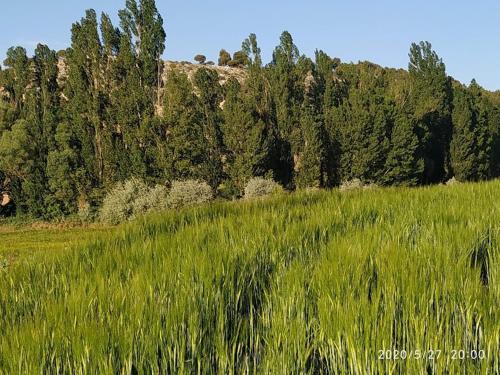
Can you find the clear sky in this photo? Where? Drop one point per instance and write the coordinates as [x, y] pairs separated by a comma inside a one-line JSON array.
[[465, 34]]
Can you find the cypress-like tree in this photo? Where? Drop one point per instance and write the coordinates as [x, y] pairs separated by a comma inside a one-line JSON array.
[[210, 97], [185, 156], [364, 122], [64, 165], [463, 144], [249, 128], [431, 101], [287, 98], [331, 93], [471, 142], [403, 166], [310, 163]]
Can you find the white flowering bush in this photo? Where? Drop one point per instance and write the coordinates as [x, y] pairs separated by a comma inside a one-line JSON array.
[[356, 184], [130, 199], [154, 200], [188, 193], [261, 187]]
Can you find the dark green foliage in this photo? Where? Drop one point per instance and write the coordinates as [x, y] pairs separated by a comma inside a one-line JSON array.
[[185, 156], [431, 108], [363, 122], [287, 97], [309, 165], [471, 143], [144, 25], [240, 58], [224, 58], [64, 167], [207, 84], [249, 129], [200, 59], [403, 166]]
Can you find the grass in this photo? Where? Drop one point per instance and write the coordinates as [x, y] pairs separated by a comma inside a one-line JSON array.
[[19, 244], [314, 282]]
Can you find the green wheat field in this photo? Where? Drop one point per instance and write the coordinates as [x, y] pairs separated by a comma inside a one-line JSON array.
[[306, 283]]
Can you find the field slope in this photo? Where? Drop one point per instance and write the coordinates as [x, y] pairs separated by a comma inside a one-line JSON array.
[[315, 282]]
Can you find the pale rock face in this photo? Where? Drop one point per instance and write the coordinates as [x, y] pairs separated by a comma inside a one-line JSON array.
[[225, 74]]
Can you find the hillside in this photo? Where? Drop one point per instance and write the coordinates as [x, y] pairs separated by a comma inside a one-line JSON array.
[[224, 72], [314, 282]]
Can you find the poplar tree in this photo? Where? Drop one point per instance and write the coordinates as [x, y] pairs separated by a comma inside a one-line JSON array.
[[142, 22], [85, 108], [287, 100]]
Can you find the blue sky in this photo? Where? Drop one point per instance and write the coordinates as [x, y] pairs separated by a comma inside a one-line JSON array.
[[465, 34]]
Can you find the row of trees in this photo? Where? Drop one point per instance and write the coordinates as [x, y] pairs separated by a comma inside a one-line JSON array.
[[75, 123]]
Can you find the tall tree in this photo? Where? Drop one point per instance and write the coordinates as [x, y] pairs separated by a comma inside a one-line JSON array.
[[463, 144], [185, 156], [403, 165], [431, 100], [331, 92], [144, 25], [287, 98], [210, 97], [249, 129], [364, 121], [86, 101]]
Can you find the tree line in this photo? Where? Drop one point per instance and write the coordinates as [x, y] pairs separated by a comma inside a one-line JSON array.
[[76, 122]]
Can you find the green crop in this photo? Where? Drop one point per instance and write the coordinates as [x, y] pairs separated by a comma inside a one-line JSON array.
[[306, 283]]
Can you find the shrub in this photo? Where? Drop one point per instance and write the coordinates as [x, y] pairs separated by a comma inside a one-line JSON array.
[[200, 59], [118, 205], [154, 200], [189, 193], [130, 199], [260, 187], [224, 57], [356, 184], [85, 213], [452, 181], [234, 64], [240, 57]]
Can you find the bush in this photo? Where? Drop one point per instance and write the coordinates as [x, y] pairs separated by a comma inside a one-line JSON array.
[[85, 213], [452, 181], [234, 64], [241, 58], [118, 205], [224, 57], [154, 200], [260, 187], [356, 184], [189, 193], [200, 59], [130, 199]]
